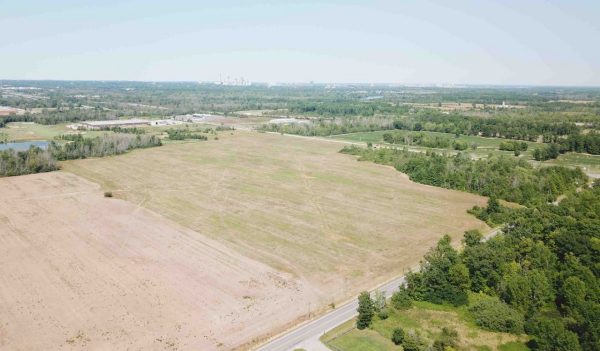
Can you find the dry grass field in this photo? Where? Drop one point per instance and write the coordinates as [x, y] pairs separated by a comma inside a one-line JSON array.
[[295, 204], [207, 245], [81, 271]]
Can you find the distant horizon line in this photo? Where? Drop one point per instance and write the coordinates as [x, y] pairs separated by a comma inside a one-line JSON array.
[[308, 83]]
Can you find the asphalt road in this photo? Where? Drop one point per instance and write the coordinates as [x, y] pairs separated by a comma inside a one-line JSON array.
[[306, 336]]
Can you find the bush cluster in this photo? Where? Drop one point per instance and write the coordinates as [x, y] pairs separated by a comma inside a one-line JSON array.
[[493, 314]]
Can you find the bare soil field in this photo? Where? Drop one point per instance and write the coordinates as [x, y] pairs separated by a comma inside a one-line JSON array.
[[295, 204], [81, 271]]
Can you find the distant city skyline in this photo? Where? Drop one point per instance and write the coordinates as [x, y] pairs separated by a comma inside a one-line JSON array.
[[523, 43]]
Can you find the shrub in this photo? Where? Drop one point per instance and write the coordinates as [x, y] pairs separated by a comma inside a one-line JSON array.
[[513, 146], [108, 194], [412, 342], [401, 299], [446, 340], [494, 315], [383, 314], [460, 145], [398, 336], [472, 237], [459, 298], [183, 134]]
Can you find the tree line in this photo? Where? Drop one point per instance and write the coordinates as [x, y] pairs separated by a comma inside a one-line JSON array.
[[567, 136], [109, 144], [124, 130], [513, 146], [500, 176], [588, 143], [521, 128], [183, 134], [333, 126], [584, 143], [33, 160], [37, 160], [60, 116], [422, 139], [346, 108]]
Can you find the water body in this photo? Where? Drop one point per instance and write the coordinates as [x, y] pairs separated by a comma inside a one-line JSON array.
[[24, 145]]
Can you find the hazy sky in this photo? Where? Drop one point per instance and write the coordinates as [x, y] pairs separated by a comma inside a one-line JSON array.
[[476, 42]]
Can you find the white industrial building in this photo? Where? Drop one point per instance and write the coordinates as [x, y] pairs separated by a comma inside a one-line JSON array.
[[114, 123]]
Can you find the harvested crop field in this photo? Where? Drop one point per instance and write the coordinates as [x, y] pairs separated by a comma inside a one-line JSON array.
[[293, 203], [81, 271]]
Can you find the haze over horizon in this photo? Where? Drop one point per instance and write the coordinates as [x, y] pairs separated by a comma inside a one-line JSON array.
[[466, 42]]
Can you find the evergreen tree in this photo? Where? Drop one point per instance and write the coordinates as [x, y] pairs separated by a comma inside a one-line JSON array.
[[366, 310]]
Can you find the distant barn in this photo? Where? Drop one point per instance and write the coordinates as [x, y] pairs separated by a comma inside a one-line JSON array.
[[115, 123], [288, 121]]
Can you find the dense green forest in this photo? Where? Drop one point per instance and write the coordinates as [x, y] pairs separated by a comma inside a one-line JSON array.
[[541, 275], [502, 177]]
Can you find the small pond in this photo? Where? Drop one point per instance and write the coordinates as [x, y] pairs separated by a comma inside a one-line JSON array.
[[24, 145]]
